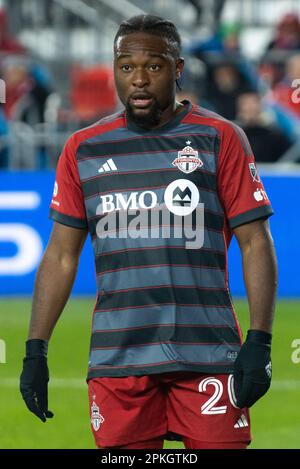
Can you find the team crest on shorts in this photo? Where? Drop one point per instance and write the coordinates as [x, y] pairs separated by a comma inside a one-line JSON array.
[[96, 417], [187, 160]]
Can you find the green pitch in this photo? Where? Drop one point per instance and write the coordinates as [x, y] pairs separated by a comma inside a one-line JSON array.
[[275, 419]]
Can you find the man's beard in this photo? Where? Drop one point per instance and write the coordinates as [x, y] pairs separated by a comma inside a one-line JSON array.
[[147, 120]]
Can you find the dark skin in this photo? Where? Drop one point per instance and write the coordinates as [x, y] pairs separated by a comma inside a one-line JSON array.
[[153, 69], [58, 269], [260, 272], [149, 66], [145, 64], [55, 279]]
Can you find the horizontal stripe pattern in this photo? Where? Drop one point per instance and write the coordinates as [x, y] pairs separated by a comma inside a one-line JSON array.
[[142, 144], [139, 181], [165, 294], [142, 162], [207, 197], [160, 307], [212, 240], [113, 224], [163, 314], [161, 275], [196, 335], [167, 367], [164, 353], [185, 132], [159, 256]]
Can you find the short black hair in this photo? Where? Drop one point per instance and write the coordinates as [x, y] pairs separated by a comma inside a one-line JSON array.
[[151, 24]]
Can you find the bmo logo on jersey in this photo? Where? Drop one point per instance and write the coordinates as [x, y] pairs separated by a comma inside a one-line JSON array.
[[175, 213], [133, 201], [181, 197]]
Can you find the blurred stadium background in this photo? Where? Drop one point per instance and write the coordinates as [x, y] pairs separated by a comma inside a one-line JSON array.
[[242, 57]]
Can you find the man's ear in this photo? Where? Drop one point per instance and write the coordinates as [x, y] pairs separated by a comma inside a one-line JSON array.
[[179, 67]]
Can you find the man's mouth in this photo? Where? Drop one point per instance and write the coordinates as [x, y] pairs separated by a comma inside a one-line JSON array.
[[141, 101]]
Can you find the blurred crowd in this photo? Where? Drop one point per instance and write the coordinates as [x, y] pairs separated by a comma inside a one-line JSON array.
[[260, 97], [35, 117]]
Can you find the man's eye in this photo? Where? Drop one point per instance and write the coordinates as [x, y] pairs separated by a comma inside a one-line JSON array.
[[125, 68], [154, 67]]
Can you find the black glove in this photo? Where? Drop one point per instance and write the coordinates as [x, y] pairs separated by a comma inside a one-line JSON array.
[[34, 378], [252, 368]]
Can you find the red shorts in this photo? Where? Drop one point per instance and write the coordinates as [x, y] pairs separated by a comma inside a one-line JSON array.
[[136, 408]]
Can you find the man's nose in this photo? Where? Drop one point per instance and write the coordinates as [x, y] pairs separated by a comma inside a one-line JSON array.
[[140, 78]]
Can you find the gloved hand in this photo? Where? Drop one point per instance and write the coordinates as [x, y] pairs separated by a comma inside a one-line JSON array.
[[34, 378], [253, 369]]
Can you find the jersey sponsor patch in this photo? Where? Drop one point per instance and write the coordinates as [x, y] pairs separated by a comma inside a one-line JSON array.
[[187, 160], [260, 195], [55, 192], [55, 189], [181, 197]]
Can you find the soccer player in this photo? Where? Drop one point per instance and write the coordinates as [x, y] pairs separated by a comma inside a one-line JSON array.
[[166, 353]]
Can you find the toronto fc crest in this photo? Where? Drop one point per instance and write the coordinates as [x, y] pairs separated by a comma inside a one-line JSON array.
[[96, 417], [187, 160]]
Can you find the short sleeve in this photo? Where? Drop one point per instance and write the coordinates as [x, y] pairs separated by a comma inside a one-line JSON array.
[[240, 188], [67, 204]]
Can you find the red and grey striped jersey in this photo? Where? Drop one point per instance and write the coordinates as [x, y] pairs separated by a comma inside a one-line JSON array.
[[162, 304]]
